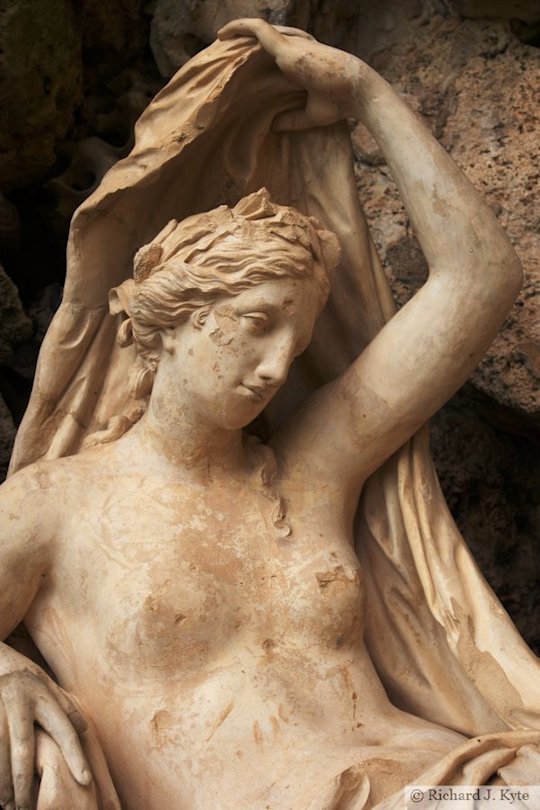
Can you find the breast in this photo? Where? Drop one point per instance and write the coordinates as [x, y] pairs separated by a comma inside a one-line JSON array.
[[320, 598], [186, 586], [174, 615]]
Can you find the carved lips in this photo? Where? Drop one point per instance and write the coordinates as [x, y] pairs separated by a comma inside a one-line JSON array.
[[257, 392]]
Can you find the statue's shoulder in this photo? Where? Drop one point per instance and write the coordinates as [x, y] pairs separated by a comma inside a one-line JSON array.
[[32, 502], [56, 478]]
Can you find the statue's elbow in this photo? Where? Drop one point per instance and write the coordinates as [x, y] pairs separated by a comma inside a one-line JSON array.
[[511, 274], [499, 270]]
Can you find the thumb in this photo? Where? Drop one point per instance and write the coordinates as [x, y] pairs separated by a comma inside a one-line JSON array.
[[318, 112]]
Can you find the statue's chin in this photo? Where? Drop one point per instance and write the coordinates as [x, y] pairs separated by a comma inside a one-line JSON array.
[[237, 411]]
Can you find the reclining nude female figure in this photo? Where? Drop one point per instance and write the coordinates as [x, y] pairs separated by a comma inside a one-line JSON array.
[[195, 591]]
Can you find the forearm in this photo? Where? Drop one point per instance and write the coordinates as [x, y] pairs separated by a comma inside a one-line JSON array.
[[456, 229]]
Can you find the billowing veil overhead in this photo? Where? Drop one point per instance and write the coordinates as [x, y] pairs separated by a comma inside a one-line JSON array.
[[444, 647]]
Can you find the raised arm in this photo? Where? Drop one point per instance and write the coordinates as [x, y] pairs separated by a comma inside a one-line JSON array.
[[433, 343]]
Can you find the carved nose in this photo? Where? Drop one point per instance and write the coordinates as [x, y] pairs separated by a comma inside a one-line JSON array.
[[274, 367]]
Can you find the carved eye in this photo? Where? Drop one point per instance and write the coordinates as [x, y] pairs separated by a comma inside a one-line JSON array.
[[258, 321]]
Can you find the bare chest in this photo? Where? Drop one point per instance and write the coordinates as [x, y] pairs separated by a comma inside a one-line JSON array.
[[174, 581]]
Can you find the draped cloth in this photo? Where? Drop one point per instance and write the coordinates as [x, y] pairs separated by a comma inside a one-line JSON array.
[[441, 642]]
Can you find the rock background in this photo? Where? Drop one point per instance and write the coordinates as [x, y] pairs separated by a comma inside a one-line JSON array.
[[76, 75]]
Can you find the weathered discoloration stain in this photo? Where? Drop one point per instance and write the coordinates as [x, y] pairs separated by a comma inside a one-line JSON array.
[[257, 733], [282, 713], [227, 326], [346, 675], [336, 575], [289, 306], [221, 719], [275, 726], [355, 699], [156, 721], [43, 479], [268, 644], [162, 723]]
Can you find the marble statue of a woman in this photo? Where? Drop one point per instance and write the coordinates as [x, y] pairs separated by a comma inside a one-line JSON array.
[[215, 640]]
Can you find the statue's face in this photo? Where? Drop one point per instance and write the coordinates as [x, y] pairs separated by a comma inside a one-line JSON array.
[[227, 370]]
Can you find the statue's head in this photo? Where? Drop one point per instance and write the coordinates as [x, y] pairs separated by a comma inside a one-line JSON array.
[[191, 266]]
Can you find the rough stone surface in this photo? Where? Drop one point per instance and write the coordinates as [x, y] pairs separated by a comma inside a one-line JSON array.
[[525, 10], [114, 32], [10, 229], [491, 481], [180, 29], [40, 85], [501, 155], [15, 326], [7, 437]]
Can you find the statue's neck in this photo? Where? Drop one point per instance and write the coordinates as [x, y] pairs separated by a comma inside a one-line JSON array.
[[188, 446]]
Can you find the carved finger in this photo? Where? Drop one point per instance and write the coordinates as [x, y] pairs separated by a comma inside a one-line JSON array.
[[7, 799], [102, 778], [55, 723], [20, 723], [57, 788], [270, 38], [95, 757], [287, 31]]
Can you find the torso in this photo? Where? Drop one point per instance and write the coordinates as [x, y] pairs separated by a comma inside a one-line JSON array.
[[223, 663]]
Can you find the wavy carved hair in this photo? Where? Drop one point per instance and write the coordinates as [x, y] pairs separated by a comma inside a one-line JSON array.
[[192, 264]]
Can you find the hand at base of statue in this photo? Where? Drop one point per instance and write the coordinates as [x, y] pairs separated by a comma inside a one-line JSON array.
[[28, 699], [330, 76], [57, 788]]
